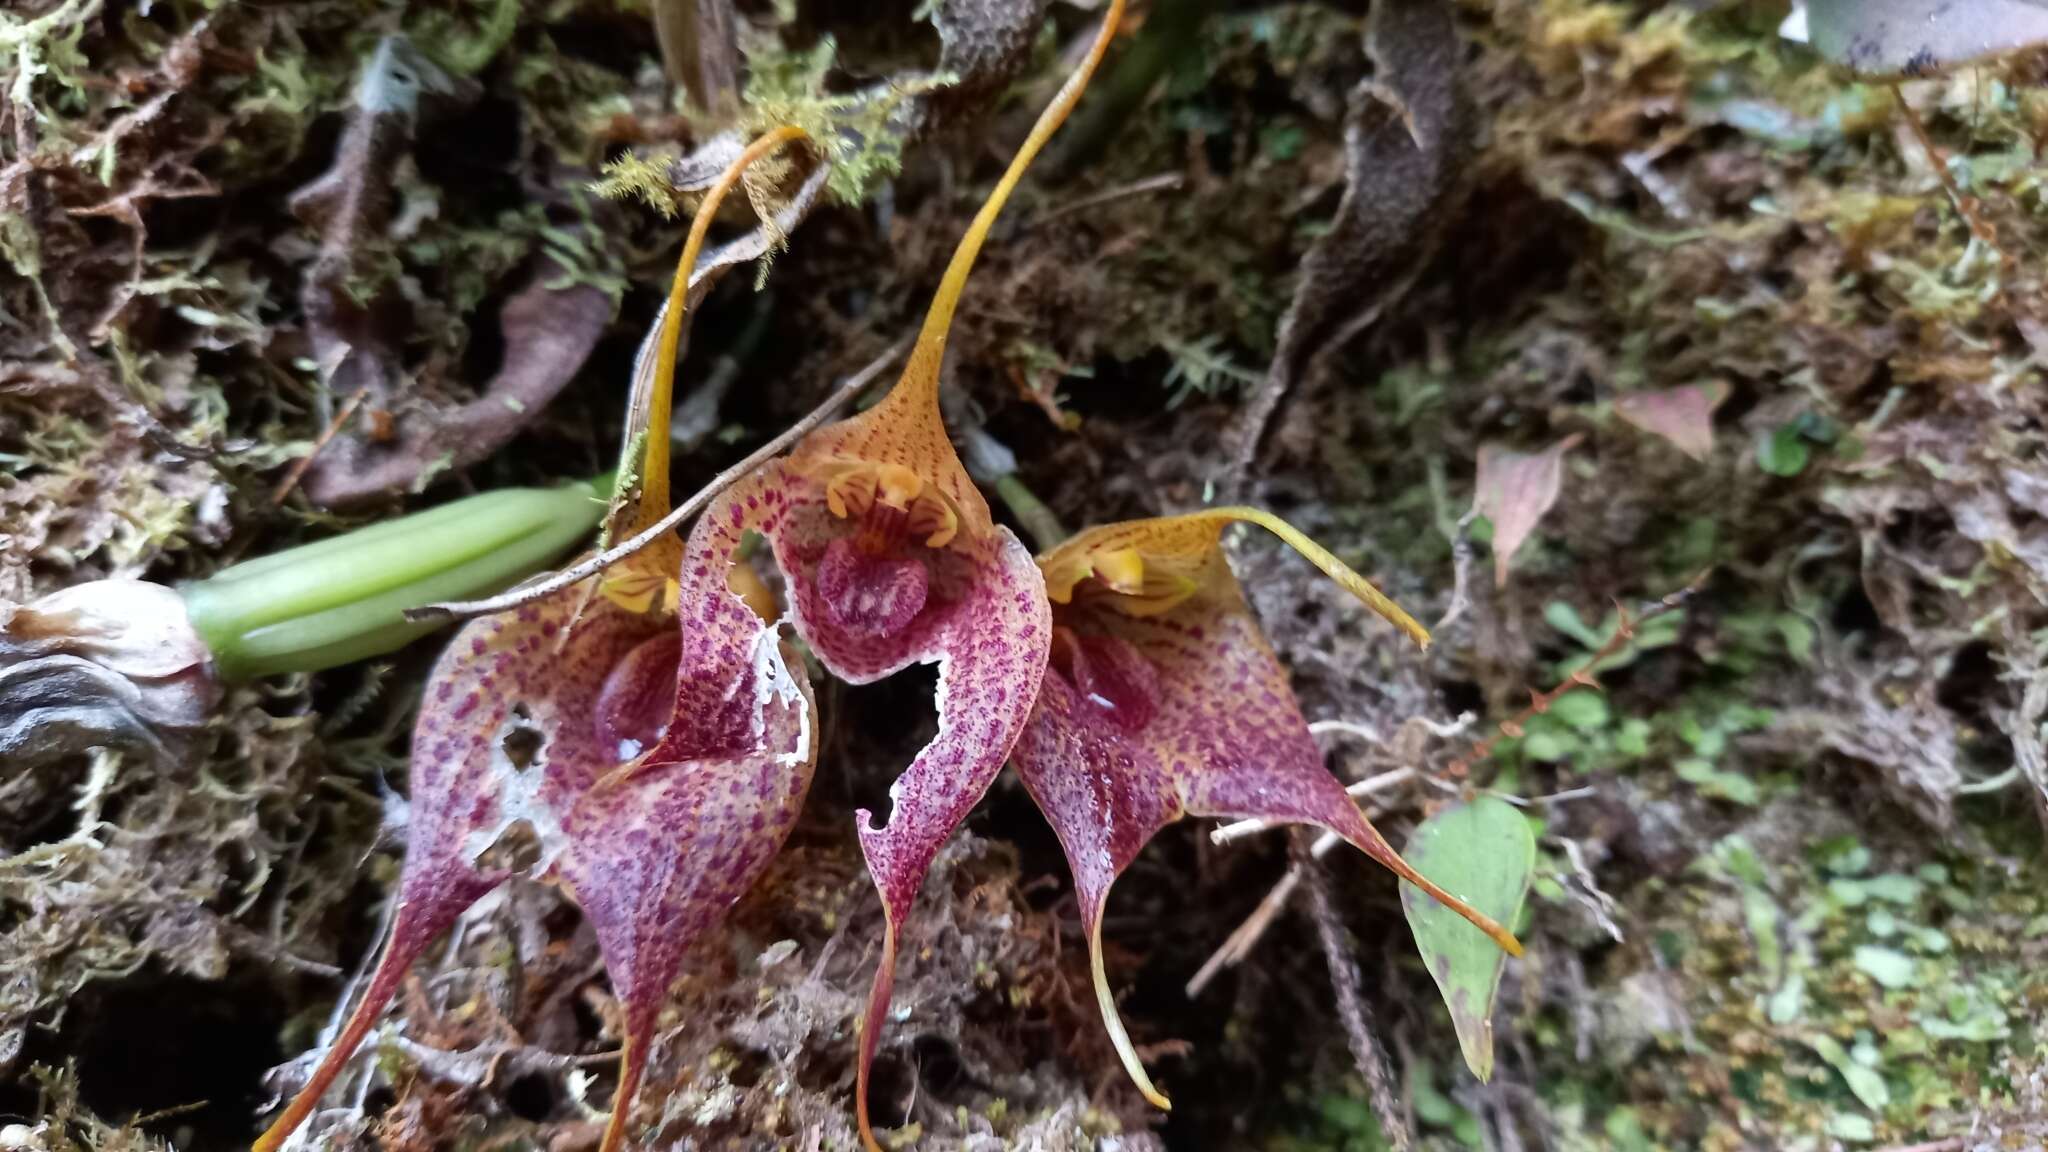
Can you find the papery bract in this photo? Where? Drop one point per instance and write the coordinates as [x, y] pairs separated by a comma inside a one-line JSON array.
[[1684, 415], [1163, 699]]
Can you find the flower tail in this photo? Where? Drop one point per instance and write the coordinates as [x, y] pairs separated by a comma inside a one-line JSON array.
[[871, 1031], [920, 382], [1125, 1051], [635, 583], [1362, 835], [414, 926], [1332, 567], [632, 1065]]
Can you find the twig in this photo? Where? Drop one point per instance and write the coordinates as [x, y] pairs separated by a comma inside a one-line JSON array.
[[1966, 206], [1163, 182], [1240, 943], [1461, 571], [334, 426], [1584, 676], [1951, 1144], [577, 573], [1351, 1008], [483, 1065]]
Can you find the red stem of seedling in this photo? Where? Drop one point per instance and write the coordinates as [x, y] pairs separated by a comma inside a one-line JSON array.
[[1584, 676]]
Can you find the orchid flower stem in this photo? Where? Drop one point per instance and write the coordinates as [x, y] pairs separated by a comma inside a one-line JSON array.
[[649, 579], [345, 598], [1039, 521], [655, 466]]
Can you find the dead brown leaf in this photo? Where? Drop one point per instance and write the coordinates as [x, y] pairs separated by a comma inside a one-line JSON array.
[[1514, 490], [1683, 415], [1408, 140]]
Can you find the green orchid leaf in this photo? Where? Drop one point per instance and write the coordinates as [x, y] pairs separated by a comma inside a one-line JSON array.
[[1484, 853]]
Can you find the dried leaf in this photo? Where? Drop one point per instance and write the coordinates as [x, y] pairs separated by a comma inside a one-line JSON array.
[[105, 663], [1683, 415], [1921, 37], [351, 204], [1163, 699], [1484, 852], [1409, 134], [1514, 490], [548, 328]]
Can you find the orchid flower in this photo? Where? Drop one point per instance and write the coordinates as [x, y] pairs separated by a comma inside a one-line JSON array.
[[891, 558], [657, 766], [1163, 699]]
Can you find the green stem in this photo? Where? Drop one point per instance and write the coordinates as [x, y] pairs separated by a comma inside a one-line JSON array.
[[1040, 522], [343, 599]]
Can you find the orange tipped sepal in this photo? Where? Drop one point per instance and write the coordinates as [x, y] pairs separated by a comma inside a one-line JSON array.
[[871, 1021], [632, 1065]]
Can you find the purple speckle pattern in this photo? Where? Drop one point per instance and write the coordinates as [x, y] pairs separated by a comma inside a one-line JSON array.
[[1144, 719], [660, 767], [871, 599]]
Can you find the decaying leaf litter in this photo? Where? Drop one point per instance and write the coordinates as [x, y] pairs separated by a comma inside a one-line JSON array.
[[1660, 201]]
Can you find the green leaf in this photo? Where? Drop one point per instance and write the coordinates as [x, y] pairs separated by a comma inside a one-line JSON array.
[[1548, 745], [1712, 781], [1789, 1001], [1633, 740], [1889, 967], [1783, 452], [1565, 619], [1484, 853], [1864, 1081], [1581, 710]]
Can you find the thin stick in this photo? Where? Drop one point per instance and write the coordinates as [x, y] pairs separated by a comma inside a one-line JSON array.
[[1966, 206], [1351, 1009], [1586, 675], [1163, 182], [334, 427], [1240, 943], [577, 573]]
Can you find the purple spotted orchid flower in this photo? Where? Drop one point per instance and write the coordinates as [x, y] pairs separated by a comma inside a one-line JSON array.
[[1163, 699], [891, 558], [655, 765]]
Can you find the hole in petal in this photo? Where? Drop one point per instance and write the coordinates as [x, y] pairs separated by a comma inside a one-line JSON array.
[[872, 596], [522, 740], [516, 849]]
